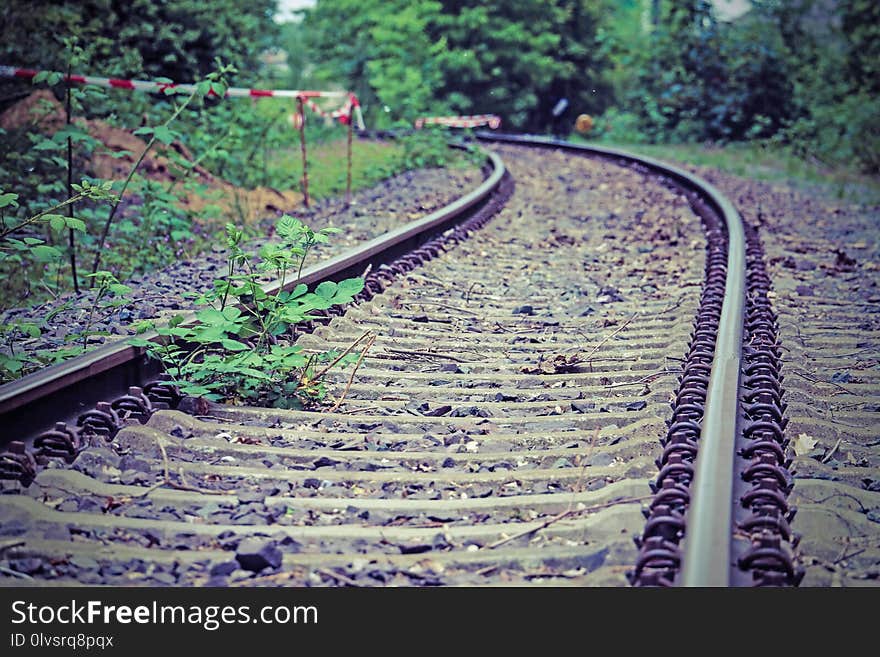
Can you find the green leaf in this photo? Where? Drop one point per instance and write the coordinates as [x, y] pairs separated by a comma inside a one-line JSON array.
[[231, 313], [203, 88], [312, 301], [234, 345], [75, 224], [350, 287], [298, 291], [8, 199], [12, 365], [198, 391], [31, 330], [45, 253], [56, 221], [326, 290], [164, 134]]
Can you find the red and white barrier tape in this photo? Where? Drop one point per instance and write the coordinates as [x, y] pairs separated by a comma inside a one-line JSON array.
[[491, 120], [343, 114]]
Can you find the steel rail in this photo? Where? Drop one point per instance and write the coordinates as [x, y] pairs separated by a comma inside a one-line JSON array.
[[707, 544], [32, 400], [707, 559]]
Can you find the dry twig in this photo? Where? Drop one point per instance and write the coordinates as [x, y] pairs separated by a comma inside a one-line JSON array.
[[607, 338], [353, 372], [562, 516], [345, 353]]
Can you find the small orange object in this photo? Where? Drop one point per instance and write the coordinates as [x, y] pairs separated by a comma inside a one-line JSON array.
[[296, 120], [584, 123]]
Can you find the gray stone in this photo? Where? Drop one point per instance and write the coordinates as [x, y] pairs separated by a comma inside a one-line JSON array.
[[255, 554], [249, 496], [84, 563], [601, 460], [224, 568], [165, 578], [131, 462]]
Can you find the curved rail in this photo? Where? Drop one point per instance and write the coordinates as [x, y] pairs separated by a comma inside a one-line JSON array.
[[25, 403], [707, 559]]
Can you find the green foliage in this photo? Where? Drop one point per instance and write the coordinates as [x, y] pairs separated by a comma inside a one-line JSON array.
[[138, 38], [800, 72], [513, 59], [428, 147], [835, 54], [860, 26], [110, 295], [376, 48], [704, 80], [517, 59], [24, 256], [236, 345], [214, 82]]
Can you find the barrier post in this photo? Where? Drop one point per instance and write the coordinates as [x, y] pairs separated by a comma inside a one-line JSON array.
[[348, 172], [71, 238], [302, 146]]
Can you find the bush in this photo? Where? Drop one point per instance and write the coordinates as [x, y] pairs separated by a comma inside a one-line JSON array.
[[619, 127]]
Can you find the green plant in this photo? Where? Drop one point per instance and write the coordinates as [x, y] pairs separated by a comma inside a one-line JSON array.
[[29, 251], [214, 83], [430, 147], [15, 362], [12, 362], [236, 347], [109, 295]]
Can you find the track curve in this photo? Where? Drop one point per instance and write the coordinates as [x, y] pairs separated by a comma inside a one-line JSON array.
[[503, 431]]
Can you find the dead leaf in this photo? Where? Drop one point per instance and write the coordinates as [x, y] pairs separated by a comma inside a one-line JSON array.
[[803, 444], [556, 364]]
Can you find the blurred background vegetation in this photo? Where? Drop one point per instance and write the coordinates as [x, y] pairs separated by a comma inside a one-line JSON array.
[[802, 73], [771, 89]]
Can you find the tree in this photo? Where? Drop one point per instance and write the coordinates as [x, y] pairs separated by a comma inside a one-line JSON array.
[[514, 59], [518, 59], [177, 39], [700, 79], [861, 27], [833, 51]]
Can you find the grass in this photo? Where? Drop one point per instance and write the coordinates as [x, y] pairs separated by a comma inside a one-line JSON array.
[[204, 213], [371, 163], [773, 164]]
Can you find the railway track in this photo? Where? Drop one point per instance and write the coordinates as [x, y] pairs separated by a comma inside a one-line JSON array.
[[511, 423]]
